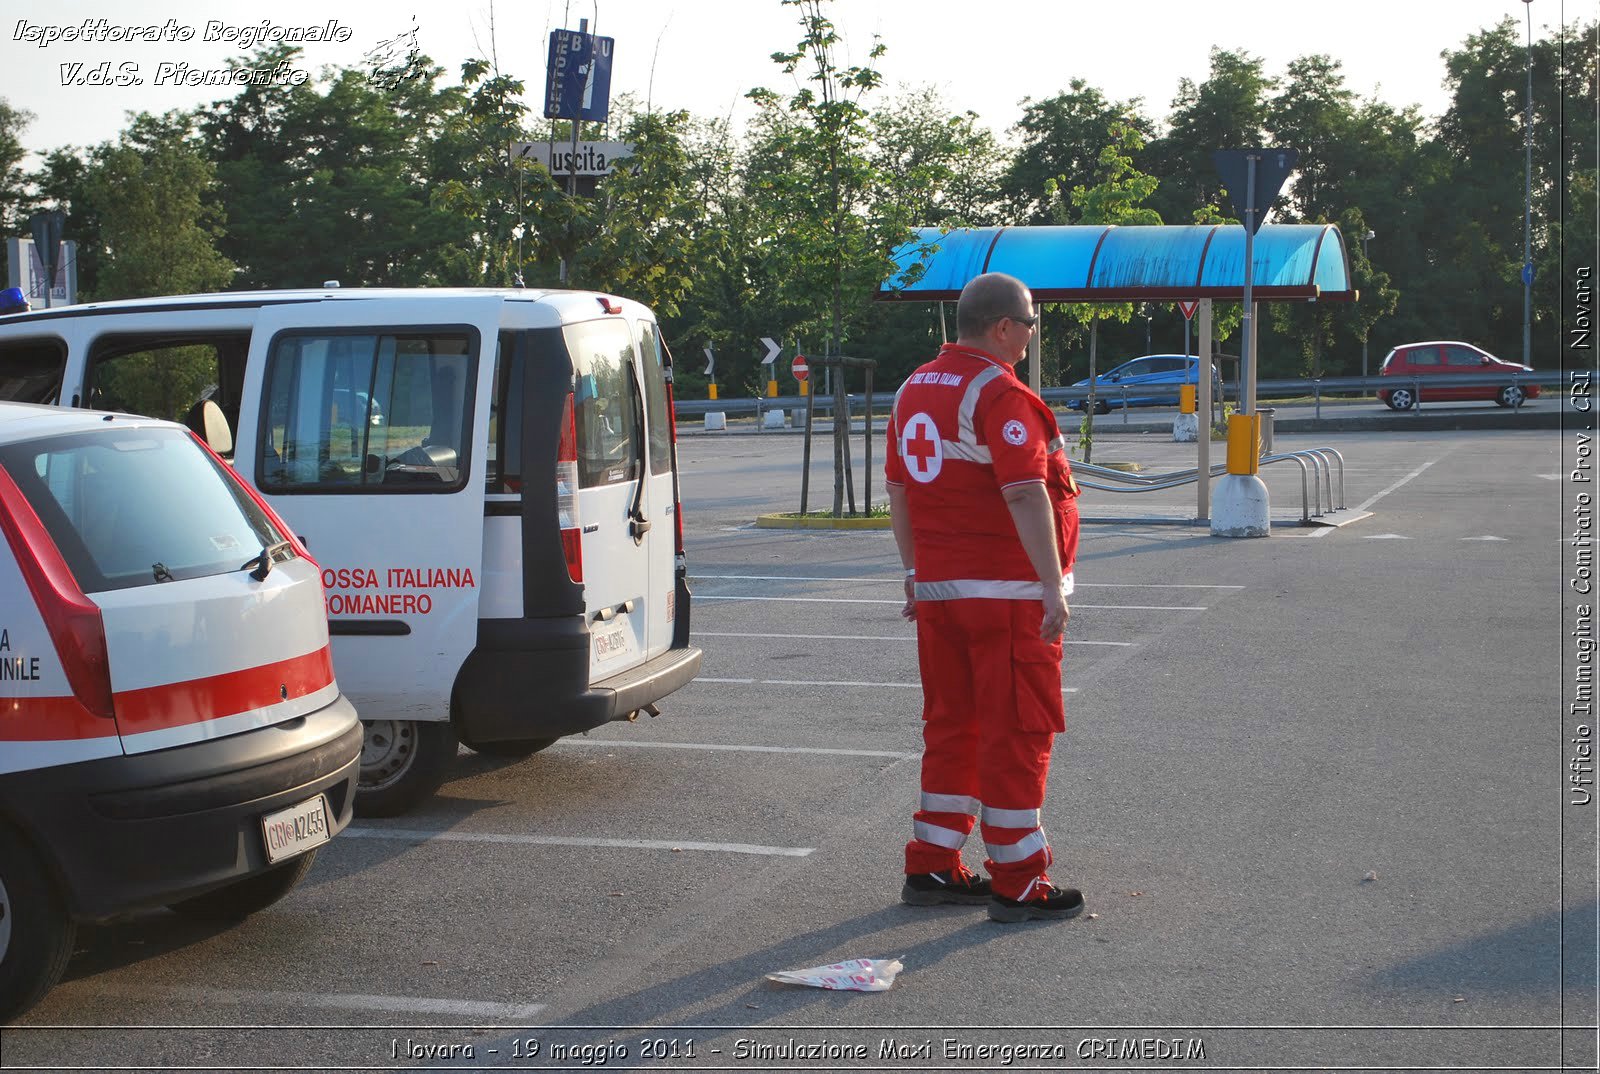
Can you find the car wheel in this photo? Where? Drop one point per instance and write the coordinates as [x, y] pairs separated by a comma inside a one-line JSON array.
[[35, 930], [1511, 395], [240, 899], [516, 747], [402, 762], [1402, 399], [1102, 407]]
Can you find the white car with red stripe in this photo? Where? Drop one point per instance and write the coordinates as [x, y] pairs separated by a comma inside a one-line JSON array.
[[171, 732]]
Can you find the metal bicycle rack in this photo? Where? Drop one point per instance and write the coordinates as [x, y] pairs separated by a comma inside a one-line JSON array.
[[1316, 474]]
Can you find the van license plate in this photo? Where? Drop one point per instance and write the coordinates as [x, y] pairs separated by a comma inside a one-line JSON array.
[[295, 830], [613, 640]]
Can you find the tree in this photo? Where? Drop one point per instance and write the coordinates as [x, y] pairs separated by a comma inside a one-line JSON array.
[[154, 195], [1226, 111], [935, 166], [1117, 199], [13, 191], [1063, 136]]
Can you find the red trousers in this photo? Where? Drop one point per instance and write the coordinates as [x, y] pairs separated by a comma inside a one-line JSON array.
[[991, 709]]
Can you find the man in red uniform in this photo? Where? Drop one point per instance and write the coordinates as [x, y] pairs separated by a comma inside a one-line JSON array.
[[986, 520]]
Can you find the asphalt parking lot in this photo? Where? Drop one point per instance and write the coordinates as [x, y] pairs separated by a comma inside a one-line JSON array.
[[1312, 788]]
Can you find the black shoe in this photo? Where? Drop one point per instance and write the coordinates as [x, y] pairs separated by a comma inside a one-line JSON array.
[[1055, 904], [958, 885]]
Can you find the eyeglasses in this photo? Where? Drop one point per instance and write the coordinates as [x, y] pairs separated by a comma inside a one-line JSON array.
[[1031, 322]]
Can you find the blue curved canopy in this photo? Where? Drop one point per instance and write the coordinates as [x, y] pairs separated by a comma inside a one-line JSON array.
[[1121, 264]]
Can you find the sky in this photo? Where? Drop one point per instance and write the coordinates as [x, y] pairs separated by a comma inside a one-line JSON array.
[[704, 55]]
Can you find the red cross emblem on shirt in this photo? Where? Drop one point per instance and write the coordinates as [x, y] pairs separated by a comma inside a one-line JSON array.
[[922, 448]]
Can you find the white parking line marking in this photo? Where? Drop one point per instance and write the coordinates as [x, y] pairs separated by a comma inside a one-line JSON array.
[[573, 740], [512, 1012], [860, 600], [419, 836], [1375, 498], [896, 581], [816, 682], [851, 637]]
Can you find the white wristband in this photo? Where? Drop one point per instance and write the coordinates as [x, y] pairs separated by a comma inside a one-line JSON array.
[[912, 573]]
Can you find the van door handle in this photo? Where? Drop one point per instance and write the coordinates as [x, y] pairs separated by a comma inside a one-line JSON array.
[[605, 615]]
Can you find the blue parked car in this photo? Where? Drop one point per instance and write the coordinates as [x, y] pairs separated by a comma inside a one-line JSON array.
[[1150, 381]]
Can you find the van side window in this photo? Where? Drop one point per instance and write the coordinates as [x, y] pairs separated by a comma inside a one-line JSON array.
[[367, 411], [30, 370], [168, 375], [503, 473], [657, 371], [606, 402]]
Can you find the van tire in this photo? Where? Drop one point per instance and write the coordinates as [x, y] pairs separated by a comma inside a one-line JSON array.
[[241, 898], [402, 763], [37, 933], [516, 747]]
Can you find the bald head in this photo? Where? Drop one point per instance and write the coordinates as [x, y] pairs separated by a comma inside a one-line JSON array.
[[987, 298]]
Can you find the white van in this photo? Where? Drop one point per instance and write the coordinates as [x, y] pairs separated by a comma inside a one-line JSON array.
[[171, 732], [488, 479]]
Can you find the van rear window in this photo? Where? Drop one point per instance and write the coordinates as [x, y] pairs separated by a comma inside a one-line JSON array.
[[368, 411], [606, 398], [134, 507]]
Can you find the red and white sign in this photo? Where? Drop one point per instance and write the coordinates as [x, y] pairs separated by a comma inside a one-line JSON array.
[[1188, 308], [799, 368]]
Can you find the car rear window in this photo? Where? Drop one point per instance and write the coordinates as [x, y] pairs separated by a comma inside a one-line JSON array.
[[134, 507]]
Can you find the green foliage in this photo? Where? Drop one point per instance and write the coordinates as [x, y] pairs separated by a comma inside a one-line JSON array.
[[153, 194]]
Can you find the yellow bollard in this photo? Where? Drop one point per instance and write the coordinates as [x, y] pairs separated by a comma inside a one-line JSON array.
[[805, 388], [772, 389], [713, 389], [1186, 399], [1244, 443]]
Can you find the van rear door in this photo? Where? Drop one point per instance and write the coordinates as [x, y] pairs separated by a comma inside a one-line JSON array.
[[364, 423], [614, 505], [661, 544]]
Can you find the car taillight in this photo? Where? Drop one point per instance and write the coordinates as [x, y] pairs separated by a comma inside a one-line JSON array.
[[567, 492], [73, 620], [230, 474]]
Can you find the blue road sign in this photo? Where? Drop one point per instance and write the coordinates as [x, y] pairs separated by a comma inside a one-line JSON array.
[[1527, 274], [578, 76]]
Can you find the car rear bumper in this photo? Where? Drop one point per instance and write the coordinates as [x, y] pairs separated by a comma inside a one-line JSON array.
[[144, 830], [529, 678]]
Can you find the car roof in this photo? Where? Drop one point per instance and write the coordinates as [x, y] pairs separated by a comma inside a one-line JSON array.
[[247, 299], [28, 421], [1438, 343]]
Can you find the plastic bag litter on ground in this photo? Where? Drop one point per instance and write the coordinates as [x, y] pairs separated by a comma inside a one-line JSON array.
[[855, 975]]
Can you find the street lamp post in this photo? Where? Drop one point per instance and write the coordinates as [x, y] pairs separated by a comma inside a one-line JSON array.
[[1367, 331], [1527, 208]]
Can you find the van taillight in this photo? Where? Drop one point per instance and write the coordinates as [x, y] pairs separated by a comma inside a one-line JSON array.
[[74, 621], [567, 492], [672, 436]]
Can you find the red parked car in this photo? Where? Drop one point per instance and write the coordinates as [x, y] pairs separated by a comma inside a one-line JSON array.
[[1420, 360]]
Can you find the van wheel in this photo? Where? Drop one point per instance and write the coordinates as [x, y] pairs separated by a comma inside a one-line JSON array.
[[402, 762], [1401, 399], [1102, 407], [240, 899], [516, 747], [1510, 395], [35, 932]]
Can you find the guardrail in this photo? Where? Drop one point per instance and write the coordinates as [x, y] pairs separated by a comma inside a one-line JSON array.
[[1266, 391]]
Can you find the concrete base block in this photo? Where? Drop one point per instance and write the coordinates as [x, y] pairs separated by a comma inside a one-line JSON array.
[[1186, 428], [1240, 507], [716, 421], [772, 419]]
